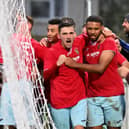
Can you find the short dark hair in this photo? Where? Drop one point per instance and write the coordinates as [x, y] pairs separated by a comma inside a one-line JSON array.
[[127, 17], [66, 22], [95, 19], [54, 21], [30, 19]]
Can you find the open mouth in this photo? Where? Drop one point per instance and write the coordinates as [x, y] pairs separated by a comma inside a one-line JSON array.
[[49, 37], [68, 41], [93, 36]]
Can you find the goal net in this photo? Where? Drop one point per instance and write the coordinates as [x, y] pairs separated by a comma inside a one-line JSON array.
[[126, 119], [20, 74]]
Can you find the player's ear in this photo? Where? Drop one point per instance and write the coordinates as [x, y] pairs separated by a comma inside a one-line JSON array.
[[102, 27]]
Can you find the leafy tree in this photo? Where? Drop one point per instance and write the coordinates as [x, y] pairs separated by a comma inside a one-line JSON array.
[[113, 12]]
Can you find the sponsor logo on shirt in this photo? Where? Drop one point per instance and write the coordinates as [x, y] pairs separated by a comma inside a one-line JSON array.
[[76, 58], [76, 51], [94, 54]]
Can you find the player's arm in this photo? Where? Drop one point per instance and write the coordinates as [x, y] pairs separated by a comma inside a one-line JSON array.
[[108, 33], [124, 70], [125, 64], [50, 65], [105, 59], [124, 45]]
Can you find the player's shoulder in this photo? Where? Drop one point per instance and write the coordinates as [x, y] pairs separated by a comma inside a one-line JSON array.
[[109, 39], [81, 37], [34, 41], [55, 46]]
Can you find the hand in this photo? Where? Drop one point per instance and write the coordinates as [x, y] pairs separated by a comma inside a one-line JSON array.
[[61, 60], [108, 33], [101, 38], [123, 71], [70, 62], [43, 42]]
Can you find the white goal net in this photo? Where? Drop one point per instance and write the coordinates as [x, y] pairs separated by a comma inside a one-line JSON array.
[[126, 119], [21, 76]]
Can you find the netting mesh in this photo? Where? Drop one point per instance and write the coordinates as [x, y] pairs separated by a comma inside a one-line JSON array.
[[24, 83], [126, 119]]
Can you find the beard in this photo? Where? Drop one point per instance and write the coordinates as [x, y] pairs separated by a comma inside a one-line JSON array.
[[94, 39]]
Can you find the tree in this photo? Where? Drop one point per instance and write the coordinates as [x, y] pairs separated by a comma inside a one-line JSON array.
[[113, 12]]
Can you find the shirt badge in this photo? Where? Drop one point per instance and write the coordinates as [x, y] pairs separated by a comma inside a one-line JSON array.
[[76, 51], [98, 46]]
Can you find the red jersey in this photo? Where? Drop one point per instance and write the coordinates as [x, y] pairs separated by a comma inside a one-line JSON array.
[[121, 59], [39, 50], [67, 86], [80, 41], [109, 83], [40, 53]]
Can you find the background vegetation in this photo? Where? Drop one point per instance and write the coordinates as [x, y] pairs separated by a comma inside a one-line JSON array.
[[113, 12]]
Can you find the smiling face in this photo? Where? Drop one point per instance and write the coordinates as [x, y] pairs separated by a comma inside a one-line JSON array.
[[94, 30], [52, 33], [125, 25], [67, 35]]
